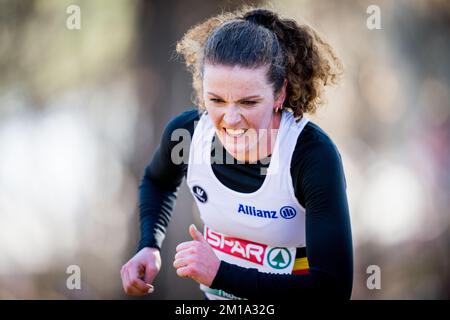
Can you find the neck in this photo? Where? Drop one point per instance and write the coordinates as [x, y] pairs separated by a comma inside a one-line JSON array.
[[266, 142]]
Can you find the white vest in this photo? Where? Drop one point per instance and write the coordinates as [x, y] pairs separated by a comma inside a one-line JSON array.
[[258, 230]]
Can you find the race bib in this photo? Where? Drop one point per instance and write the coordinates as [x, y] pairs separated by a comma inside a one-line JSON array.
[[247, 254]]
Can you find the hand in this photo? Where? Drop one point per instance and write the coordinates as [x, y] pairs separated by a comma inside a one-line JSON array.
[[140, 271], [196, 259]]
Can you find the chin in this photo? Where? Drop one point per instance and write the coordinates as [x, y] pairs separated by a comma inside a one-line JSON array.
[[236, 151]]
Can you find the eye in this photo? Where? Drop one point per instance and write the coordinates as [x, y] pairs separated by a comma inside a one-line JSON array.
[[215, 100], [249, 103]]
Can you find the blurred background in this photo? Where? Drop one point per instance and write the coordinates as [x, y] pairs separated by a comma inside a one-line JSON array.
[[81, 112]]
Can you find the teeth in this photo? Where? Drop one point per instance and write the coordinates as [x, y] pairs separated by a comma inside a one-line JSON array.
[[235, 133]]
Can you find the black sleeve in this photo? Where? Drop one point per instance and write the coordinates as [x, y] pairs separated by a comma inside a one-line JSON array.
[[319, 183], [162, 178]]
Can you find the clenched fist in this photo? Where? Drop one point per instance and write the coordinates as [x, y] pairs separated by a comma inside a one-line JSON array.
[[140, 271], [196, 259]]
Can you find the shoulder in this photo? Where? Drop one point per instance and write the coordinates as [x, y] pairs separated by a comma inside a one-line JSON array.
[[316, 163], [316, 157], [177, 128], [185, 120], [314, 145]]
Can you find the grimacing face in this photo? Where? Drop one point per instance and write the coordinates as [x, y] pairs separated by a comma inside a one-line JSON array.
[[241, 104]]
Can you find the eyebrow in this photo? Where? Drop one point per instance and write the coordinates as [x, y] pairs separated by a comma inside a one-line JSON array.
[[245, 98]]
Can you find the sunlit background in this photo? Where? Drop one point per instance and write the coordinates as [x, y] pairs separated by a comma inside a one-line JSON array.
[[81, 112]]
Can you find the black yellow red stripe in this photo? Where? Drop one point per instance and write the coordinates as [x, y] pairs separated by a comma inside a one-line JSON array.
[[301, 265]]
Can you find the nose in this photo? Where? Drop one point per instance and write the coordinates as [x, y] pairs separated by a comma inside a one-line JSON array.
[[232, 116]]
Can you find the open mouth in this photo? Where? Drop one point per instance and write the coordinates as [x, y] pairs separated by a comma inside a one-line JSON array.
[[235, 133]]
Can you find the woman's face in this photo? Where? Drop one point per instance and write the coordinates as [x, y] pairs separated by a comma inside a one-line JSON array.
[[241, 103]]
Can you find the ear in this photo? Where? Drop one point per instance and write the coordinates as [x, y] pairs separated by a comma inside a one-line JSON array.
[[281, 94]]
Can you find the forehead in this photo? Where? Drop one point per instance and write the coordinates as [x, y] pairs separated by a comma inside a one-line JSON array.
[[236, 79]]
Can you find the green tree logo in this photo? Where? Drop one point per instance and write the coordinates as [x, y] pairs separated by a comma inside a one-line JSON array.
[[279, 258]]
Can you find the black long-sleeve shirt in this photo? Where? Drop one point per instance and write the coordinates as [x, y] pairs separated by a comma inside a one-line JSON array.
[[320, 187]]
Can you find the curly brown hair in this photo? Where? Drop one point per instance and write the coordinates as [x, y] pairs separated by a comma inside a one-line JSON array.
[[254, 37]]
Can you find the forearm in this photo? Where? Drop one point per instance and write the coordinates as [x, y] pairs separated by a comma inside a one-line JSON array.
[[252, 284], [159, 185], [155, 208]]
